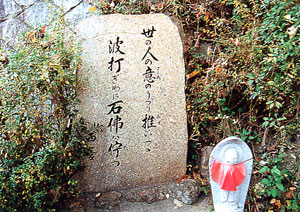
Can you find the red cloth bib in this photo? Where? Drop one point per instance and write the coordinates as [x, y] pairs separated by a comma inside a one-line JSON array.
[[228, 176]]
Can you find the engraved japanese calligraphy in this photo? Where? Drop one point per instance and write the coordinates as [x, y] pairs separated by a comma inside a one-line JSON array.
[[134, 78]]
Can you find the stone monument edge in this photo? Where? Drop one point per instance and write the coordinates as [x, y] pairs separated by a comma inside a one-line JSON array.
[[178, 27]]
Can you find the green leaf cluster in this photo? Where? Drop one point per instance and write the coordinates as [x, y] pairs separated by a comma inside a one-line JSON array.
[[246, 55], [249, 76], [277, 182], [43, 140]]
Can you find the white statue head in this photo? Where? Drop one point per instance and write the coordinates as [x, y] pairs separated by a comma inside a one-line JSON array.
[[231, 156]]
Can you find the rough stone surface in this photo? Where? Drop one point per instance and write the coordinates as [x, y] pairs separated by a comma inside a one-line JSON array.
[[291, 158], [107, 200], [225, 200], [203, 204], [139, 101], [204, 165], [148, 194], [20, 15], [187, 191]]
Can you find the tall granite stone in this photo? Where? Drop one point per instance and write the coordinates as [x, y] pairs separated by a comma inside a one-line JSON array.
[[133, 86]]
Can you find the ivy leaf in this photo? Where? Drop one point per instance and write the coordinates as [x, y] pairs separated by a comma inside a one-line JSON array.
[[265, 181], [278, 105], [272, 124], [265, 124], [265, 168], [275, 192], [275, 170], [280, 186]]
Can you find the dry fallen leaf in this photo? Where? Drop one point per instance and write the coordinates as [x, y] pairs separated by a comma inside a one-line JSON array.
[[218, 69], [272, 201], [191, 75], [92, 9], [183, 178], [289, 194], [75, 204], [278, 204]]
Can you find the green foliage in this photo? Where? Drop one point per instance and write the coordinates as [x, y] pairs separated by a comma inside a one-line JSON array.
[[278, 188], [102, 7], [42, 141], [246, 58], [248, 80], [172, 7]]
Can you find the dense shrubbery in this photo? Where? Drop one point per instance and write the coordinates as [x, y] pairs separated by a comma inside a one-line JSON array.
[[251, 82], [41, 148], [248, 85]]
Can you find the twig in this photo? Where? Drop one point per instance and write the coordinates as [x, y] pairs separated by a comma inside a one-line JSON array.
[[263, 143], [16, 14], [6, 44], [197, 42], [207, 74], [253, 151], [298, 106], [22, 10], [72, 8], [4, 19], [257, 209]]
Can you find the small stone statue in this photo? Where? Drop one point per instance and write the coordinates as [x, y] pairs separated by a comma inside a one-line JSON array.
[[230, 171]]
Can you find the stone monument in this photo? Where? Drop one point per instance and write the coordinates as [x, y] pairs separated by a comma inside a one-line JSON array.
[[230, 172], [133, 80]]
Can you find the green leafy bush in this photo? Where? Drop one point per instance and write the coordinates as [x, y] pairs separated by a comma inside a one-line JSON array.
[[247, 84], [251, 82], [277, 183], [42, 138], [243, 79]]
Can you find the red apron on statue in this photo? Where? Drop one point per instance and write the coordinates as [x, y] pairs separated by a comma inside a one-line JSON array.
[[228, 176]]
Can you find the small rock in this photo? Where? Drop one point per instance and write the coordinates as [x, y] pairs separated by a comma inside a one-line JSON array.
[[187, 191], [108, 200], [177, 203], [298, 140], [204, 164], [149, 195]]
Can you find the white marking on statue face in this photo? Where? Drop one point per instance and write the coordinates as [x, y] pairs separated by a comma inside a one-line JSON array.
[[231, 156]]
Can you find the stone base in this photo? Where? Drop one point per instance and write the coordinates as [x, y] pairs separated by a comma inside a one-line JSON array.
[[148, 194]]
